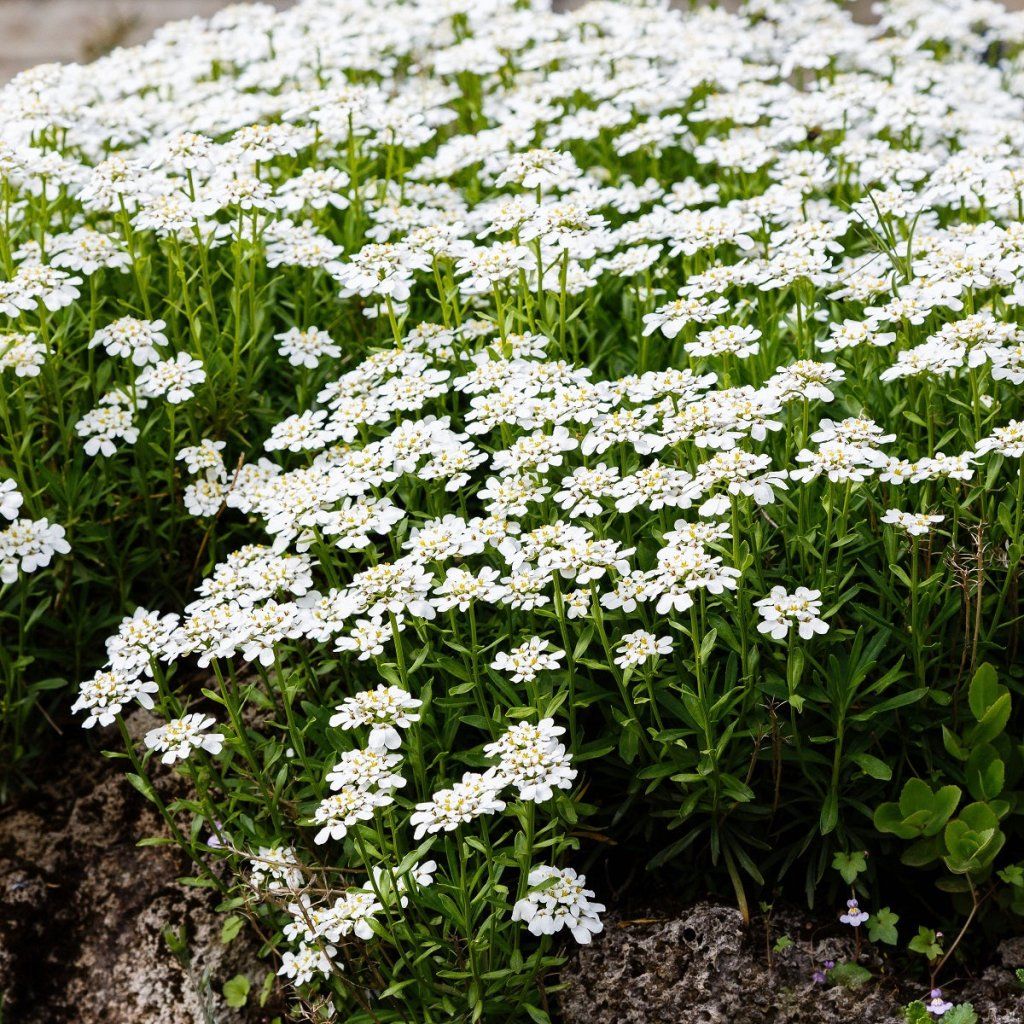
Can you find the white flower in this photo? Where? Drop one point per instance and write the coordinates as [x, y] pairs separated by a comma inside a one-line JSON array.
[[385, 709], [10, 499], [178, 738], [306, 347], [559, 899], [105, 424], [735, 340], [525, 662], [28, 545], [532, 760], [129, 338], [539, 169], [640, 646], [140, 638], [343, 809], [204, 457], [173, 379], [780, 611], [275, 868], [22, 353], [1007, 440], [670, 319], [305, 964], [105, 695], [366, 769], [916, 524], [854, 916], [472, 796]]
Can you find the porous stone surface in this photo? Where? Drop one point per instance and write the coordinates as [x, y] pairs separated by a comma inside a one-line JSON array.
[[83, 910], [703, 966]]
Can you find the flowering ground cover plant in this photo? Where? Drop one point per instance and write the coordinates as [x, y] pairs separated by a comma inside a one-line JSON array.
[[507, 437]]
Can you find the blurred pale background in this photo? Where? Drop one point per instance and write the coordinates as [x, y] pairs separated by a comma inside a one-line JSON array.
[[37, 31]]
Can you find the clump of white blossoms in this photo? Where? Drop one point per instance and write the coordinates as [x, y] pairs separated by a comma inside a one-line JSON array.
[[638, 647], [177, 739], [106, 694], [781, 611], [531, 759], [130, 338], [475, 794], [385, 710], [172, 379], [306, 347], [307, 962], [525, 662], [559, 899], [916, 524], [27, 545], [275, 868], [495, 377]]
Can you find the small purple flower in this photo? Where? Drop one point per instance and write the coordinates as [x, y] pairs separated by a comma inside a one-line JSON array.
[[936, 1004], [854, 916], [820, 976]]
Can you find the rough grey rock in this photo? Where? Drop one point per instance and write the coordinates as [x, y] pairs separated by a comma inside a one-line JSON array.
[[702, 966], [83, 909]]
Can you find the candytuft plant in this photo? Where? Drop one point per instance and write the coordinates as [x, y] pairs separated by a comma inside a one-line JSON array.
[[504, 449]]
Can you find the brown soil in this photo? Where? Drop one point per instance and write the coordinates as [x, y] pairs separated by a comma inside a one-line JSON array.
[[83, 909]]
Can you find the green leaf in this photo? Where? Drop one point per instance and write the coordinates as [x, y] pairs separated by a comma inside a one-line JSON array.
[[973, 840], [849, 975], [829, 817], [938, 807], [144, 786], [236, 991], [629, 742], [872, 766], [536, 1014], [850, 865], [926, 943], [231, 927], [993, 721], [267, 987], [923, 852], [985, 772], [899, 701], [960, 1014], [952, 744], [1012, 874], [887, 818], [794, 669], [917, 1013], [882, 927], [707, 644], [984, 690]]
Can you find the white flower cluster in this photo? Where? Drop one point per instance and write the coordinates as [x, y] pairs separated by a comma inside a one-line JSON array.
[[275, 867], [604, 388], [26, 545], [177, 739], [559, 899], [781, 611]]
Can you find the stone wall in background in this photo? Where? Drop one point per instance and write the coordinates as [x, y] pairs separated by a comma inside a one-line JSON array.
[[38, 31]]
